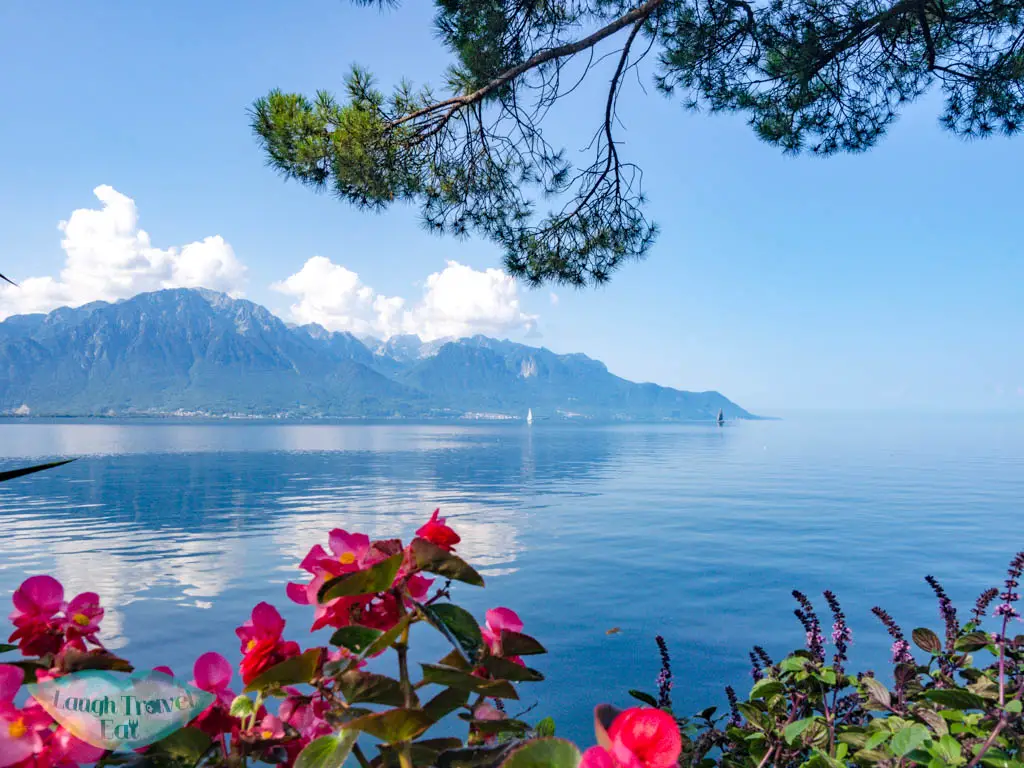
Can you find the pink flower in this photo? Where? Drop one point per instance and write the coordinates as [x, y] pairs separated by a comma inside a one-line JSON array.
[[213, 674], [436, 532], [82, 616], [262, 646], [166, 670], [20, 729], [485, 711], [270, 727], [38, 597], [66, 750], [35, 603], [498, 620], [305, 714], [640, 737]]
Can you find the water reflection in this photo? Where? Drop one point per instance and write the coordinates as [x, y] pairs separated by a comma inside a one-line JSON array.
[[184, 513]]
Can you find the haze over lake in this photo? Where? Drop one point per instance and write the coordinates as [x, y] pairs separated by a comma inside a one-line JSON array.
[[695, 532]]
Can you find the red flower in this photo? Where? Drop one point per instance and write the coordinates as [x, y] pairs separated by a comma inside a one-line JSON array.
[[436, 532], [262, 646], [213, 675], [640, 737], [36, 602]]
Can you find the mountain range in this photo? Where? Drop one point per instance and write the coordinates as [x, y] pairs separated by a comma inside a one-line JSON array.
[[197, 352]]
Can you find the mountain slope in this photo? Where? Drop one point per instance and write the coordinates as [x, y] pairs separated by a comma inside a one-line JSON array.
[[200, 351]]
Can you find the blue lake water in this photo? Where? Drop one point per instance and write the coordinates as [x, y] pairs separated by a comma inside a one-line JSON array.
[[694, 532]]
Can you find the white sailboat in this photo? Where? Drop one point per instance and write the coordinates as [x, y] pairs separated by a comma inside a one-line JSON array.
[[529, 415]]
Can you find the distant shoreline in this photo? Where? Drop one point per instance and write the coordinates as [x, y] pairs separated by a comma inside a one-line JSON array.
[[359, 420]]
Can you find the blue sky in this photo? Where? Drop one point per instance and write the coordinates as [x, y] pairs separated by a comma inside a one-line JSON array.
[[886, 280]]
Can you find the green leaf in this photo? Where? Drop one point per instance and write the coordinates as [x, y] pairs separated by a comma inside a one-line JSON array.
[[973, 641], [473, 757], [355, 638], [957, 698], [876, 738], [948, 748], [446, 702], [11, 474], [794, 729], [433, 559], [367, 688], [377, 578], [503, 669], [1014, 706], [507, 725], [646, 698], [187, 744], [518, 644], [457, 660], [456, 678], [7, 647], [241, 706], [765, 689], [793, 664], [423, 753], [545, 728], [328, 751], [459, 626], [544, 753], [393, 725], [926, 640], [387, 639], [827, 676], [293, 671], [908, 739]]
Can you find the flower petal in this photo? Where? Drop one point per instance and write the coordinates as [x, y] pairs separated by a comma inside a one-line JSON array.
[[212, 672]]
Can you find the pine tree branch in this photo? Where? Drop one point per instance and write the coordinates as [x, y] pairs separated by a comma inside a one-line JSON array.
[[637, 15]]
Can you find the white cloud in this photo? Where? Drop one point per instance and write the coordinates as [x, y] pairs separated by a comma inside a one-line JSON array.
[[109, 258], [554, 299], [457, 301]]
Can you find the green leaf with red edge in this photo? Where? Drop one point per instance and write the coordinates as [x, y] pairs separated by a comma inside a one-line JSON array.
[[456, 678], [360, 687], [293, 671], [423, 753], [518, 644], [455, 659], [458, 625], [355, 638], [433, 559], [503, 669], [446, 702], [544, 753], [377, 578], [509, 725], [328, 751], [474, 757], [387, 639], [394, 725]]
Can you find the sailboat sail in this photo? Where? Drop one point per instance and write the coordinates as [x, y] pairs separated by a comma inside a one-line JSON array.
[[721, 416], [529, 416]]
